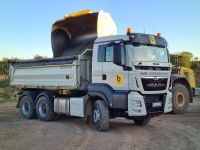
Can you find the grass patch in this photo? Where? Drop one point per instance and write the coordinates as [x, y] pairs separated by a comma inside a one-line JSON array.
[[7, 94], [4, 83]]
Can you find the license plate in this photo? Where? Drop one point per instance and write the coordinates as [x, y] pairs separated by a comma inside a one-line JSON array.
[[157, 104]]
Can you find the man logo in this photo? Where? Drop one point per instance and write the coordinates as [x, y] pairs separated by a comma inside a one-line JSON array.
[[156, 78], [118, 79]]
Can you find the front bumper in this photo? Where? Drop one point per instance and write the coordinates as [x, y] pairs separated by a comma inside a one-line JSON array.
[[142, 105]]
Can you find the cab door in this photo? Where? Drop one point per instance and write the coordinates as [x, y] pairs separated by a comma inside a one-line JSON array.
[[113, 75]]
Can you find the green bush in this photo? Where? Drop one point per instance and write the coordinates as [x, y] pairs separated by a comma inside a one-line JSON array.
[[7, 94], [3, 68], [4, 84]]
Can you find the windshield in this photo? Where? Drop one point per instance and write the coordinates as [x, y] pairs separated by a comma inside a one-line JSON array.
[[149, 53]]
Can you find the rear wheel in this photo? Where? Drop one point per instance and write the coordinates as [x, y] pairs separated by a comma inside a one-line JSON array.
[[180, 98], [27, 110], [100, 116], [141, 121], [44, 109]]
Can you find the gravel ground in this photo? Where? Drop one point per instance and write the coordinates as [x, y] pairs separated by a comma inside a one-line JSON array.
[[164, 132]]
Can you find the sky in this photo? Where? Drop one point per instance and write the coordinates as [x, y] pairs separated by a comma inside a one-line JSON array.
[[25, 26]]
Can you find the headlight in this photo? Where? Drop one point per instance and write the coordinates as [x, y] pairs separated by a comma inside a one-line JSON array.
[[137, 103]]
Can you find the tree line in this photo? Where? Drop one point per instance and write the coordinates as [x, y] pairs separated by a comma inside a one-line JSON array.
[[186, 59], [4, 64]]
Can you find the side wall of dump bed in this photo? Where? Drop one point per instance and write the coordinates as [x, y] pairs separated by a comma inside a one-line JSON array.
[[62, 73]]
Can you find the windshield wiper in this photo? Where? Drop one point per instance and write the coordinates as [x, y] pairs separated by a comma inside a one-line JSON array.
[[156, 64], [140, 63]]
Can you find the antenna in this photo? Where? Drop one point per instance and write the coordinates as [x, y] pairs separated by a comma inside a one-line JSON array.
[[153, 30], [143, 27]]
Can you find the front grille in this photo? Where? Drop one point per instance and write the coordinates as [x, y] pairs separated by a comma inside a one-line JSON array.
[[154, 84], [150, 99]]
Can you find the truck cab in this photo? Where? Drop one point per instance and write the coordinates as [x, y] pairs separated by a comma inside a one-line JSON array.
[[131, 73]]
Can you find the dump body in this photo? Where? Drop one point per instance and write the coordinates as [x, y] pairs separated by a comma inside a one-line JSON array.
[[62, 73]]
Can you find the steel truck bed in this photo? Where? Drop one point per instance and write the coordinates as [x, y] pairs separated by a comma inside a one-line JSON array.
[[51, 73]]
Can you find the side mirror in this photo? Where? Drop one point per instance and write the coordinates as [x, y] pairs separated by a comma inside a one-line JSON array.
[[119, 54]]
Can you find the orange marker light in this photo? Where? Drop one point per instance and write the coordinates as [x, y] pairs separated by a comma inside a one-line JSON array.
[[158, 34], [129, 30]]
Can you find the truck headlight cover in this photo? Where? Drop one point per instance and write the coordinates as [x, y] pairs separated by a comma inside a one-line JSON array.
[[137, 103]]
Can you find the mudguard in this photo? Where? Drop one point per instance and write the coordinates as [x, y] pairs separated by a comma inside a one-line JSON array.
[[112, 98]]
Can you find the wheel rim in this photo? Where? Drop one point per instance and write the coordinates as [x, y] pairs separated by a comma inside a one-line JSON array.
[[180, 99], [43, 109], [25, 108], [96, 114]]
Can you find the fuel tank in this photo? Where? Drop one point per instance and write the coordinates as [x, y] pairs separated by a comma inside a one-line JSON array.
[[78, 31]]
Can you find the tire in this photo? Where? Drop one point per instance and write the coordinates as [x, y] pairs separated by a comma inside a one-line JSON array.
[[27, 109], [180, 98], [100, 116], [141, 121], [45, 109]]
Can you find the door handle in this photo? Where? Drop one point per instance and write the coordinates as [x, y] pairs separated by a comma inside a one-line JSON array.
[[104, 77]]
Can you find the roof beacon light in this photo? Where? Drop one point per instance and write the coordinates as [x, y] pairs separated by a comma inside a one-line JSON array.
[[129, 30], [159, 34]]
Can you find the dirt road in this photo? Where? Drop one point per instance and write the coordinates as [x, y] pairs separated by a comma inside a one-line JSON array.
[[164, 132]]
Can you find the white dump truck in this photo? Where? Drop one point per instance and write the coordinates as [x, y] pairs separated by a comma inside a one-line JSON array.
[[96, 74]]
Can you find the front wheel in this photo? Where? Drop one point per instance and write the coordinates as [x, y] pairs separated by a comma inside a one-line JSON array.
[[180, 98], [141, 121], [100, 116]]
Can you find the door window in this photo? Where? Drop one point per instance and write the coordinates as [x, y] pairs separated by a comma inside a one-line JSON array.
[[109, 54]]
